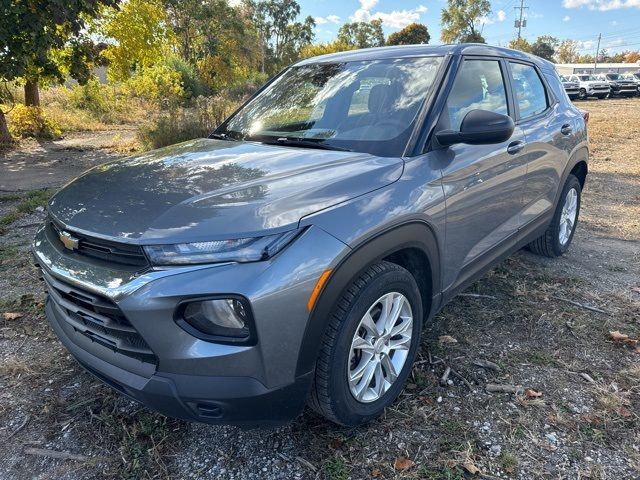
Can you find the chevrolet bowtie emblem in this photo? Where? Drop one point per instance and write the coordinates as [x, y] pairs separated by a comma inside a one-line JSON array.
[[69, 241]]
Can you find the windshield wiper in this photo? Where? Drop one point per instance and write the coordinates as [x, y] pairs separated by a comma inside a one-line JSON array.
[[297, 142], [222, 136]]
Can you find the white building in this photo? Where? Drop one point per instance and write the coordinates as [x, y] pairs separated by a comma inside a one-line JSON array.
[[570, 68]]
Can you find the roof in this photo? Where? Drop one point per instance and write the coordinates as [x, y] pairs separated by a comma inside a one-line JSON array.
[[408, 51]]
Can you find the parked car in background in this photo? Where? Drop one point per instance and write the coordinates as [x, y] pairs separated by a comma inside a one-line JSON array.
[[295, 255], [635, 78], [571, 87], [590, 86], [619, 86]]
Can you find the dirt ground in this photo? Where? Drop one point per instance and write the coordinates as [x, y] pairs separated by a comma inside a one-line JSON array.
[[544, 325]]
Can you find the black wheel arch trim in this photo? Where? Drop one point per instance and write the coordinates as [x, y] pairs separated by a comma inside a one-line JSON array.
[[580, 155], [412, 234]]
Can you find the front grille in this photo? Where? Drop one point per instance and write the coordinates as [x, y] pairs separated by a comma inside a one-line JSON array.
[[98, 319], [111, 252]]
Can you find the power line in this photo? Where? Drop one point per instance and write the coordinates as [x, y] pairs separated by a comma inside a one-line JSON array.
[[519, 24]]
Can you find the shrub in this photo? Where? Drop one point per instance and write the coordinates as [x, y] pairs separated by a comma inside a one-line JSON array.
[[182, 124], [94, 96], [32, 122], [191, 83], [158, 83]]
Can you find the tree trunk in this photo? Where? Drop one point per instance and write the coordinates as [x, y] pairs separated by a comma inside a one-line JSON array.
[[5, 136], [31, 94]]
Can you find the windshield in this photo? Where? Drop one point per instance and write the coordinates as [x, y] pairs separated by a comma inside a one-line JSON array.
[[586, 78], [613, 76], [368, 106]]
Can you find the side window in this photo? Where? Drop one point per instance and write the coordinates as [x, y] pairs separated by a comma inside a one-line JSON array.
[[478, 85], [529, 90]]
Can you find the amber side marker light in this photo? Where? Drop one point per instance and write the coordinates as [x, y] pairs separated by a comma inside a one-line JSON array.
[[317, 289]]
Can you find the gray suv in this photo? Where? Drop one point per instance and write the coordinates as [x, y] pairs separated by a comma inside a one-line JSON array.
[[294, 256]]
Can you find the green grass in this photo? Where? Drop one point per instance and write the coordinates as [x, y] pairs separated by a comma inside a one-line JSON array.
[[26, 205], [335, 468], [508, 462]]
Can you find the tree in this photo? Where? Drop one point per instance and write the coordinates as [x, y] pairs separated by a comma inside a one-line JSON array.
[[412, 34], [632, 57], [30, 32], [362, 34], [460, 20], [567, 51], [521, 44], [324, 48], [138, 37], [545, 47], [280, 34]]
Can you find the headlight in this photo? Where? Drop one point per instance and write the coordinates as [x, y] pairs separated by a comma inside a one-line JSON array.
[[237, 250]]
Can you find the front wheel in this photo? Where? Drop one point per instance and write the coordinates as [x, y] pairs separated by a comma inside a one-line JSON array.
[[582, 94], [556, 240], [369, 346]]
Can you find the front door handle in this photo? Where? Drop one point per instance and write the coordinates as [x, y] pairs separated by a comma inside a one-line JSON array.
[[515, 147], [566, 129]]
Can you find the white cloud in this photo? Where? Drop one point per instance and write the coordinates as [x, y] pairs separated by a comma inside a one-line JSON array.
[[566, 18], [586, 45], [617, 43], [502, 15], [395, 19], [485, 21], [368, 4], [613, 23], [602, 5], [328, 19]]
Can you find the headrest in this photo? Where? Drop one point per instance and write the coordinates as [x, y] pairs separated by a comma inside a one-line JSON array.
[[382, 97]]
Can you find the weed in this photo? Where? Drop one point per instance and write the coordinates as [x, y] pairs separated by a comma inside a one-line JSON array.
[[335, 468], [27, 205], [508, 461]]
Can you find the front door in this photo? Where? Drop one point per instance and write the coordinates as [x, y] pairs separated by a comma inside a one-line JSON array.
[[483, 184]]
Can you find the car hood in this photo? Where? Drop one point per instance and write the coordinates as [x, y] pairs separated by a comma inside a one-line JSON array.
[[595, 83], [214, 189]]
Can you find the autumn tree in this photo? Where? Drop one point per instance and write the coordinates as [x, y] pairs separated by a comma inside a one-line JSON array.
[[460, 20], [362, 34], [138, 36], [521, 44], [30, 32], [545, 47], [316, 49], [567, 51], [415, 33]]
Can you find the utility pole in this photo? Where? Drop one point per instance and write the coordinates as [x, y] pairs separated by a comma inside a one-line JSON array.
[[520, 23], [595, 60]]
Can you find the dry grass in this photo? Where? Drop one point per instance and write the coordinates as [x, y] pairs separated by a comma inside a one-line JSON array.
[[614, 130]]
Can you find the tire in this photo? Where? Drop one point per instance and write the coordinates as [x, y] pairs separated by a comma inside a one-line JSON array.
[[555, 241], [582, 94], [331, 394]]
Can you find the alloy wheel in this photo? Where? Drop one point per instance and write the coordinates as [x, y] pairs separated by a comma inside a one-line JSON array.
[[568, 216], [380, 347]]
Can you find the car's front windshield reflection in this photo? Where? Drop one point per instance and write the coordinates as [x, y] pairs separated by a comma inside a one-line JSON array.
[[364, 106]]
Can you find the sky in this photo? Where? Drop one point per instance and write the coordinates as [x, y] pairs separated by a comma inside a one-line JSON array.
[[617, 20]]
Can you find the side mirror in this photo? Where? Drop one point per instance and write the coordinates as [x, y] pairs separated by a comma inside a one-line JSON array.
[[479, 127]]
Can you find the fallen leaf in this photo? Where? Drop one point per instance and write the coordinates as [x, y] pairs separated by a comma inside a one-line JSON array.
[[632, 342], [624, 412], [12, 315], [617, 336], [403, 463], [335, 444], [637, 350], [471, 468], [376, 472], [447, 339], [532, 393]]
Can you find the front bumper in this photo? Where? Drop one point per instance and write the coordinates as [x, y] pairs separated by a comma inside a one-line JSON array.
[[193, 379]]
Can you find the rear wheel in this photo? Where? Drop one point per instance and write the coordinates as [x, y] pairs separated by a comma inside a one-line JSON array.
[[369, 346], [556, 240], [582, 94]]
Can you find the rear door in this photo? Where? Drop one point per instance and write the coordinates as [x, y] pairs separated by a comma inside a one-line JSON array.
[[548, 128], [483, 184]]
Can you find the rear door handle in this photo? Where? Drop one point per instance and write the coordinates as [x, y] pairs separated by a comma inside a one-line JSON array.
[[515, 147], [566, 129]]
